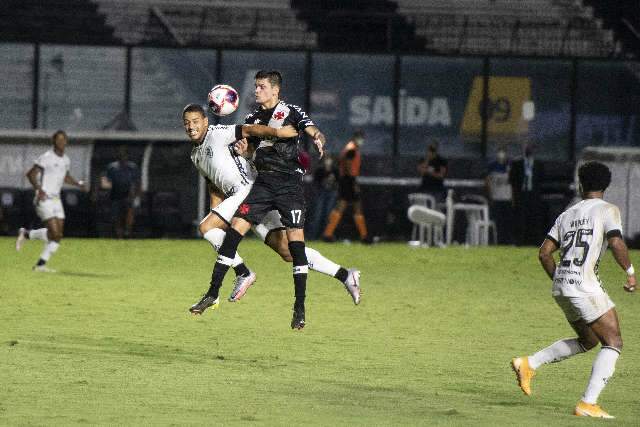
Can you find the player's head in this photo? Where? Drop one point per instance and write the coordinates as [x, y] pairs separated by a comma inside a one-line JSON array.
[[268, 84], [594, 177], [195, 122], [358, 137], [59, 140]]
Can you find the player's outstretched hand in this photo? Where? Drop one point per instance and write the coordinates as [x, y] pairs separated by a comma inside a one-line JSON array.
[[630, 286], [241, 147], [319, 139]]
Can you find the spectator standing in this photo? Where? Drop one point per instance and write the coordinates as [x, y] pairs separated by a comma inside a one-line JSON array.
[[122, 178], [500, 196], [525, 177], [433, 170], [325, 181]]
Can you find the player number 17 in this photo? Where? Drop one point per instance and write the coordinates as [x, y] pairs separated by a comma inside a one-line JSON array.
[[296, 214]]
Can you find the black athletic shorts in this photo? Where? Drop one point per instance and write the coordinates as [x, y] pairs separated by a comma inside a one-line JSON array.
[[348, 189], [275, 190]]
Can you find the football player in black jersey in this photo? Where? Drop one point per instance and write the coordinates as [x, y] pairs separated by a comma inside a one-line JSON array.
[[278, 187]]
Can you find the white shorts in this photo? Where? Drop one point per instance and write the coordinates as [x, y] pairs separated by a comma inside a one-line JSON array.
[[589, 307], [270, 222], [49, 208], [228, 207]]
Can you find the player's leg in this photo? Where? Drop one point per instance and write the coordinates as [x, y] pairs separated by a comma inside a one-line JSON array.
[[55, 229], [607, 329], [252, 210], [295, 237], [272, 233], [129, 220], [213, 229], [45, 211], [358, 218], [525, 366], [335, 216]]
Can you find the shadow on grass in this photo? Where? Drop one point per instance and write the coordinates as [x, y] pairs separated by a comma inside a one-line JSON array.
[[86, 274]]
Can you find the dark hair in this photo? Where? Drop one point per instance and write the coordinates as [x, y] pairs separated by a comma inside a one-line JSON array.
[[274, 77], [59, 132], [594, 176], [193, 108]]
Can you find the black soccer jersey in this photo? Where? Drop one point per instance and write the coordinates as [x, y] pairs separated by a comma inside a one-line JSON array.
[[279, 155]]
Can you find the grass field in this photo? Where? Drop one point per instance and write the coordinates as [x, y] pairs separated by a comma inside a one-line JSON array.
[[108, 339]]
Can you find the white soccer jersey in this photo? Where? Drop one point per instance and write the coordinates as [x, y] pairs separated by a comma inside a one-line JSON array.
[[217, 161], [54, 170], [581, 232]]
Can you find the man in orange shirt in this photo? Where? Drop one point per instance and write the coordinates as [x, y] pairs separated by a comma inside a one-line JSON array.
[[348, 190]]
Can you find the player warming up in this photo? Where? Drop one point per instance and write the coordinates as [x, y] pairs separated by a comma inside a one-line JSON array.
[[230, 177], [278, 186], [582, 233], [47, 175]]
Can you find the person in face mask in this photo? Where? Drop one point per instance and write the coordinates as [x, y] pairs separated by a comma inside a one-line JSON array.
[[500, 196], [525, 177]]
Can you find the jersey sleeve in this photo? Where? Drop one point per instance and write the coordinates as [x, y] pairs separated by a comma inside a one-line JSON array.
[[228, 133], [298, 118], [612, 221], [554, 232]]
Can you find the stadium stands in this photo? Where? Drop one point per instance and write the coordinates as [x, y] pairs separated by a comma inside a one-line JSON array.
[[534, 27], [54, 21], [242, 23]]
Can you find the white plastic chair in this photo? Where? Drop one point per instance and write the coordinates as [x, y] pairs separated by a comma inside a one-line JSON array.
[[427, 233]]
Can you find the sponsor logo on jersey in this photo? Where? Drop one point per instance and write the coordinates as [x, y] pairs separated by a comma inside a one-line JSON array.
[[208, 152]]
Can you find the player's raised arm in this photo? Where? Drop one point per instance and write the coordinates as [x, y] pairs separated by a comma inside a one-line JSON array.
[[545, 255], [318, 138], [266, 131], [621, 255]]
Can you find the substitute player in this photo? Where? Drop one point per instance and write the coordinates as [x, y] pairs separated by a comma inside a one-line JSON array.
[[230, 177], [582, 233], [277, 187], [47, 175]]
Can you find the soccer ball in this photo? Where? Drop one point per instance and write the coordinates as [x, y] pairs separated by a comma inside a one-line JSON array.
[[223, 100]]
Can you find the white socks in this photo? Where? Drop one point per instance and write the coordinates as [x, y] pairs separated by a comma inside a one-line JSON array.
[[50, 248], [39, 234], [603, 367], [319, 263], [556, 352], [215, 236]]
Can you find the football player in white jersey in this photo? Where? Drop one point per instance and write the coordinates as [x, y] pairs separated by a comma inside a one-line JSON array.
[[582, 234], [230, 177], [47, 175]]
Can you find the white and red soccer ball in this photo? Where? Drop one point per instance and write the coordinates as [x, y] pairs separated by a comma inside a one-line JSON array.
[[223, 100]]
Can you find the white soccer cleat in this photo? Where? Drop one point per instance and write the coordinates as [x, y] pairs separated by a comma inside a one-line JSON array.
[[352, 285], [22, 237], [241, 284], [43, 269]]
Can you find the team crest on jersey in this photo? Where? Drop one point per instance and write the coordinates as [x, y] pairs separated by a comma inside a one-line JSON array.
[[243, 209], [279, 115], [208, 152]]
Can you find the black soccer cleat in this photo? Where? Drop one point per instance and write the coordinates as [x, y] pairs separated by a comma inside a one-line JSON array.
[[297, 322], [203, 304]]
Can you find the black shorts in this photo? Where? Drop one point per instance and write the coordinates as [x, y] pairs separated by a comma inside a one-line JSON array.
[[348, 189], [120, 208], [274, 190]]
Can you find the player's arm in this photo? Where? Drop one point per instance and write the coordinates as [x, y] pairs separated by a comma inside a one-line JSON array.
[[32, 176], [621, 255], [318, 138], [68, 179], [545, 255], [266, 131]]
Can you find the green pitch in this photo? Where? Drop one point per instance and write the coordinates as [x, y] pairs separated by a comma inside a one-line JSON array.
[[108, 339]]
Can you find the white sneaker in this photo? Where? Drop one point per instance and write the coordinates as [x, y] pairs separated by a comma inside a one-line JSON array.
[[22, 237], [241, 284], [352, 284], [43, 269]]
